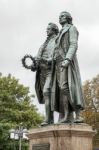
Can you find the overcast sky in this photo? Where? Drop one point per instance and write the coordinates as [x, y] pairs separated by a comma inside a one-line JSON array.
[[23, 29]]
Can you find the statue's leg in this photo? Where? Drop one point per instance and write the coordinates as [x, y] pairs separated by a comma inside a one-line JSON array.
[[61, 116], [47, 108], [49, 114], [78, 118], [51, 117], [47, 96], [70, 115], [65, 107], [66, 115], [63, 103]]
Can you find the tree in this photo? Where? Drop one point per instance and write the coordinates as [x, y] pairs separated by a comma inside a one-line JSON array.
[[91, 112], [16, 106]]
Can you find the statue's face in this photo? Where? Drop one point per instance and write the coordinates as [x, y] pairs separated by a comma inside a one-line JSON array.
[[62, 18], [49, 30]]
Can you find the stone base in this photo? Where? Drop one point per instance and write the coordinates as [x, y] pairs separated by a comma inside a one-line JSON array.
[[61, 137]]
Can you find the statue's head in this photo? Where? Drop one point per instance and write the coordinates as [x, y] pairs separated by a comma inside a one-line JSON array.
[[65, 17], [52, 28]]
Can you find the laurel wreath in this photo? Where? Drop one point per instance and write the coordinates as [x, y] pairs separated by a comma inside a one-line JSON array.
[[24, 61]]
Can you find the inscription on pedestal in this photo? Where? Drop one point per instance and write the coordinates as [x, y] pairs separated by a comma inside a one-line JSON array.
[[41, 147]]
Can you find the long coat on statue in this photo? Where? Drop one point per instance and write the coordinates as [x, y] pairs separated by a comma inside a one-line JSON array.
[[38, 87], [67, 44]]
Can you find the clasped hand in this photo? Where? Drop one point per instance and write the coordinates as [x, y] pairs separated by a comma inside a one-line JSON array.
[[65, 63]]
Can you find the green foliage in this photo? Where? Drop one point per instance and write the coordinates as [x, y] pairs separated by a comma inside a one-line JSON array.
[[16, 106], [91, 113]]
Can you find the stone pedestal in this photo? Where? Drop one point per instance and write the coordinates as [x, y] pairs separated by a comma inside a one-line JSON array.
[[61, 137]]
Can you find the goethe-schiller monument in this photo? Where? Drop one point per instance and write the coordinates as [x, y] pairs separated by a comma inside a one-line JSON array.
[[58, 86]]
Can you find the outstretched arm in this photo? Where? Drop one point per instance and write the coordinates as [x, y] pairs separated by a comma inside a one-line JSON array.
[[35, 64]]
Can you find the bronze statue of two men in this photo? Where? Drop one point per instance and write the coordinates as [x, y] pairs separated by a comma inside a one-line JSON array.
[[58, 82]]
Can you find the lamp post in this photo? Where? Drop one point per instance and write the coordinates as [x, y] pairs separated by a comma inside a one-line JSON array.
[[19, 134]]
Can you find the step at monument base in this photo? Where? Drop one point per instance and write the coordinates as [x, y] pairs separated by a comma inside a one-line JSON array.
[[61, 137]]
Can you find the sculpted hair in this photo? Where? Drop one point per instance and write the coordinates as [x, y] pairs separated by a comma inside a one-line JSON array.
[[54, 28], [68, 16]]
